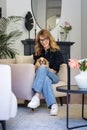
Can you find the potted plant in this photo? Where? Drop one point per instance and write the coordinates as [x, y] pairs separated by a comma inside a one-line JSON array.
[[81, 78], [7, 38], [66, 30]]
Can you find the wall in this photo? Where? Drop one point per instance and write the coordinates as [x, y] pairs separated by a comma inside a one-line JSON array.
[[71, 12], [4, 9], [84, 29]]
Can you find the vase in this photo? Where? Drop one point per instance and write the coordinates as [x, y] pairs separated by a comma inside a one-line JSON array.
[[67, 36], [81, 79], [62, 36]]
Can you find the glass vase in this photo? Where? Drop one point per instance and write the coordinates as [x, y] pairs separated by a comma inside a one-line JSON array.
[[67, 36]]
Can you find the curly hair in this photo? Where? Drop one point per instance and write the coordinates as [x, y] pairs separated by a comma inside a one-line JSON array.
[[45, 33]]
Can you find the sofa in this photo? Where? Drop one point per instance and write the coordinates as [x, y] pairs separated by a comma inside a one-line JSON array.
[[23, 74]]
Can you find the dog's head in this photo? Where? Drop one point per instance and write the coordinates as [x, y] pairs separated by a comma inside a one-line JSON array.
[[42, 61]]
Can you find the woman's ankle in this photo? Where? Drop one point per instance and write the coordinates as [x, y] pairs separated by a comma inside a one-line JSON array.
[[37, 94]]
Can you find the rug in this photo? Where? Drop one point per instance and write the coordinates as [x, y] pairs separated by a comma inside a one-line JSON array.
[[40, 119], [74, 111]]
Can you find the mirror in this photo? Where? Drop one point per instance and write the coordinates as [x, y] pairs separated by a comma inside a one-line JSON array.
[[47, 13]]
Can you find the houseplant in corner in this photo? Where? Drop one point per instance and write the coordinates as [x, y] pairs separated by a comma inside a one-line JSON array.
[[81, 78], [8, 38]]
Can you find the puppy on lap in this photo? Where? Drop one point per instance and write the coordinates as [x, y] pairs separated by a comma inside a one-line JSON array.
[[41, 62]]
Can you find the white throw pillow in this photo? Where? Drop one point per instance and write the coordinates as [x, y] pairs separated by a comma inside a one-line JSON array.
[[22, 59], [7, 61]]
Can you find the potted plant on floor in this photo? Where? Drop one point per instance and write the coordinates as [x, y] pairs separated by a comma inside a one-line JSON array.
[[8, 38]]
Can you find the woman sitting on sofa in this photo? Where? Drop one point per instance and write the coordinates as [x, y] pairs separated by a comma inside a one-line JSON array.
[[46, 47]]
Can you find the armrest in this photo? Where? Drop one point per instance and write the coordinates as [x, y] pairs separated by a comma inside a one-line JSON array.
[[62, 74]]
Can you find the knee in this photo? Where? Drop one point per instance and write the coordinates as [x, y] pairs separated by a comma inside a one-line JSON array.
[[48, 80], [42, 68]]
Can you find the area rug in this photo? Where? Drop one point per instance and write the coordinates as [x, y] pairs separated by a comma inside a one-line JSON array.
[[40, 119], [75, 111]]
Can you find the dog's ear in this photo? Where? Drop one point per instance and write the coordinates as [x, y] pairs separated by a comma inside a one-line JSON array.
[[37, 64], [46, 62]]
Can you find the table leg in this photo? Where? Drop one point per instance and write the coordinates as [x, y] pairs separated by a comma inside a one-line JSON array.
[[83, 107], [67, 113]]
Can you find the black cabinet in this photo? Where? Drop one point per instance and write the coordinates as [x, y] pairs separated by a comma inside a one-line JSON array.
[[65, 49], [28, 46], [64, 46]]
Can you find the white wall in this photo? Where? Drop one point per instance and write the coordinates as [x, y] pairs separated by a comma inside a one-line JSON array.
[[84, 29], [3, 4], [71, 12]]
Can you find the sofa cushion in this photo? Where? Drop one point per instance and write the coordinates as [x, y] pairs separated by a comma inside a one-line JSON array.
[[22, 80], [7, 61], [22, 59]]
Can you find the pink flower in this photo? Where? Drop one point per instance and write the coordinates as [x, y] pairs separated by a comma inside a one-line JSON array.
[[67, 27], [67, 24], [73, 63], [86, 64]]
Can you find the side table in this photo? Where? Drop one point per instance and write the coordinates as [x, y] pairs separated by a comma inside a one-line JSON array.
[[73, 90]]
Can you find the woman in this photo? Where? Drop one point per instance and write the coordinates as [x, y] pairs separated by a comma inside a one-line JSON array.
[[46, 47]]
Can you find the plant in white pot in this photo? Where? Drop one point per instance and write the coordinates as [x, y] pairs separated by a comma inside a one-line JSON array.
[[81, 78], [8, 38]]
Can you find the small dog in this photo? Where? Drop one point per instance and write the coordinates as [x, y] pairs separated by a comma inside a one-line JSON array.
[[41, 62]]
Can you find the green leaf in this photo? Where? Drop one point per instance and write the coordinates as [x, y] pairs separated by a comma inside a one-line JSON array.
[[8, 39]]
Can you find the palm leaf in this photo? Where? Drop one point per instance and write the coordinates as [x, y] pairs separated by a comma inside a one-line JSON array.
[[15, 18], [3, 25], [4, 22], [8, 39]]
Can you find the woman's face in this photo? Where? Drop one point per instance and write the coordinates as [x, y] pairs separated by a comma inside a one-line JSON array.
[[44, 41]]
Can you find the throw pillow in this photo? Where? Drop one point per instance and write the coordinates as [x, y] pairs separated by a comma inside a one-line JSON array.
[[7, 61], [22, 59]]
